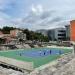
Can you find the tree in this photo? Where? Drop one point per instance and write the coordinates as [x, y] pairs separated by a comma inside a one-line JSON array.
[[35, 36], [2, 41], [21, 41], [26, 31], [6, 29]]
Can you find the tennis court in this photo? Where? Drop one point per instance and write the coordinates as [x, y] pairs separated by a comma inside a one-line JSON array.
[[39, 56]]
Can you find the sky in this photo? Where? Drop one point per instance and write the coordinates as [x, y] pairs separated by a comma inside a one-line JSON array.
[[36, 14]]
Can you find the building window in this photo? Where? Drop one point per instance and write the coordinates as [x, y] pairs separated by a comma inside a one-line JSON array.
[[61, 34]]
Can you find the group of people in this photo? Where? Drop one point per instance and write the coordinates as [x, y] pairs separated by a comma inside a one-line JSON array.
[[44, 52]]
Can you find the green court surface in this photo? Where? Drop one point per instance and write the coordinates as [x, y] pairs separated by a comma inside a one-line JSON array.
[[37, 61]]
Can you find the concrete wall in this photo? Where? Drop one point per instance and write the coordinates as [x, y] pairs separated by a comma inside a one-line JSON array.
[[17, 63]]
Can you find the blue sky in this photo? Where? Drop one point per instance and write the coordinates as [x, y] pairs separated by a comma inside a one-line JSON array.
[[27, 13]]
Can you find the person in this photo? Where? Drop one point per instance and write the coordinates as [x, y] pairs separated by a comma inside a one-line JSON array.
[[44, 52], [50, 51]]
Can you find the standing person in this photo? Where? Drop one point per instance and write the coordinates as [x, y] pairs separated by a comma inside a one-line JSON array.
[[44, 52], [50, 51]]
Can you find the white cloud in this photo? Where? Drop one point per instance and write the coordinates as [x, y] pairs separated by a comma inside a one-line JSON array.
[[43, 13], [33, 9], [37, 9]]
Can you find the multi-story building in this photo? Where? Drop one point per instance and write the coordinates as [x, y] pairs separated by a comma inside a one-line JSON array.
[[14, 36], [18, 34], [22, 36], [15, 32], [54, 34], [67, 32], [57, 34], [72, 30]]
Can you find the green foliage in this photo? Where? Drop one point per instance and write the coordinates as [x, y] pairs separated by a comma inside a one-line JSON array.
[[30, 35], [6, 30], [26, 31], [2, 41]]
